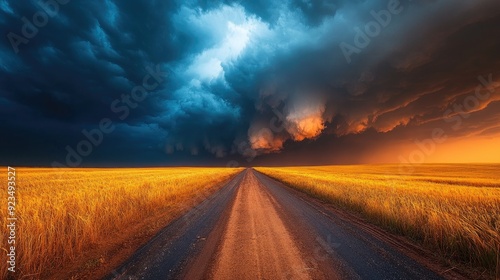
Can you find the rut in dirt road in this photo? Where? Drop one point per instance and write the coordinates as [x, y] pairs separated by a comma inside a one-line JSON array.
[[257, 244]]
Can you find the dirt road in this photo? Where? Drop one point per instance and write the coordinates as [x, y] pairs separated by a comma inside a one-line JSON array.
[[257, 228], [257, 243]]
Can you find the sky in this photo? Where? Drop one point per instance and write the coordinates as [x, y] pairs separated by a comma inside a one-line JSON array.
[[242, 83]]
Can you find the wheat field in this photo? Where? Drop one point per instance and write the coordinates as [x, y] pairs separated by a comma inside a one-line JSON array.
[[63, 213], [453, 210]]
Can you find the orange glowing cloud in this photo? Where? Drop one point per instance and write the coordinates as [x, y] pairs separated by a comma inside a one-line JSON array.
[[306, 121], [357, 127], [306, 127], [390, 124], [266, 142], [262, 139]]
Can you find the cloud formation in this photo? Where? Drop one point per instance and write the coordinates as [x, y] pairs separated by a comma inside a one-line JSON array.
[[245, 78]]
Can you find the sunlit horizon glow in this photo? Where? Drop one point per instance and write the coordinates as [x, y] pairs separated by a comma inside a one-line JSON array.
[[460, 150]]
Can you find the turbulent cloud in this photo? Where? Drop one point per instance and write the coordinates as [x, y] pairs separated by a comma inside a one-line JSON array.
[[306, 122], [245, 78]]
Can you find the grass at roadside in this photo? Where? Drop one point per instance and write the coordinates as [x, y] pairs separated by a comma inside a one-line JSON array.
[[64, 213], [451, 209]]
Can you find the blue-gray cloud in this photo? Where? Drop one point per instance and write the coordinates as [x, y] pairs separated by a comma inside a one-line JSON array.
[[230, 72]]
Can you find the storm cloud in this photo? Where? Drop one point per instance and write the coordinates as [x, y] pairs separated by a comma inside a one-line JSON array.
[[211, 82]]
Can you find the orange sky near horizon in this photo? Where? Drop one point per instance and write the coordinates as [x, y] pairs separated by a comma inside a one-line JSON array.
[[477, 150], [456, 150]]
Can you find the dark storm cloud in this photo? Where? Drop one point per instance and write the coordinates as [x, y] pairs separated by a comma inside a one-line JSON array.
[[235, 70]]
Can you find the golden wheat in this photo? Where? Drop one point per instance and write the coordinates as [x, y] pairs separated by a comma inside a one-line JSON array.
[[65, 212], [451, 209]]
